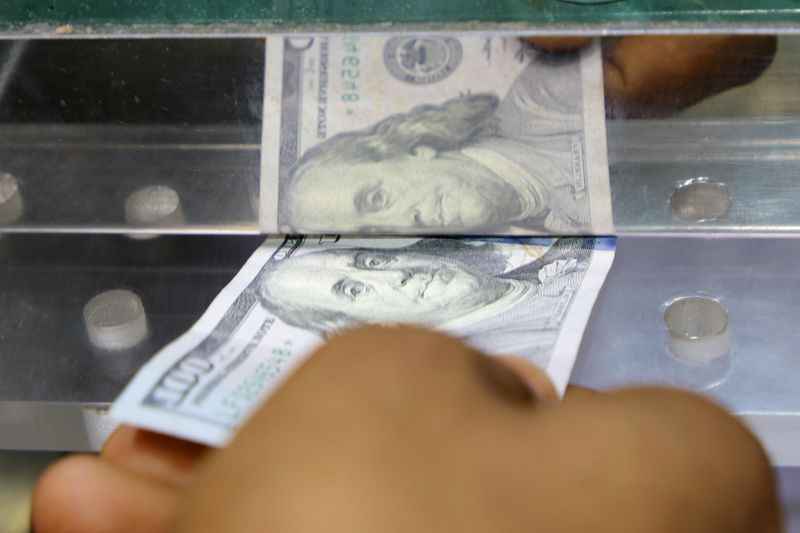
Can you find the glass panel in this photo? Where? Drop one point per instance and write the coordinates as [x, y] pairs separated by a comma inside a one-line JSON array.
[[45, 282], [164, 135], [84, 125]]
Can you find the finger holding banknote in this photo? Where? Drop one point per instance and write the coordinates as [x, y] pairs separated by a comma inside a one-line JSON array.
[[657, 75], [136, 483], [140, 478], [400, 429], [429, 437]]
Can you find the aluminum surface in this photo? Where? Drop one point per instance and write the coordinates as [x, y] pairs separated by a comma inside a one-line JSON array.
[[757, 158], [82, 185], [627, 339]]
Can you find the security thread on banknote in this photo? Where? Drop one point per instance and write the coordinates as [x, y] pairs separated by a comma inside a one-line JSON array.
[[530, 297], [444, 134]]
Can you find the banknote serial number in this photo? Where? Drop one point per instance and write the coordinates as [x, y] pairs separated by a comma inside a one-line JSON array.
[[252, 386], [351, 71]]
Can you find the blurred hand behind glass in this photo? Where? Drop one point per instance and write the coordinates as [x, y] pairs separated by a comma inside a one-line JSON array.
[[659, 75]]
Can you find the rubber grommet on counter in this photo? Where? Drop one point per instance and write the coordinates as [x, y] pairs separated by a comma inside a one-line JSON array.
[[699, 329], [115, 320]]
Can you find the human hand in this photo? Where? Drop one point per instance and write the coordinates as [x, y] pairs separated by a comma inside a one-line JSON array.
[[402, 429], [659, 75]]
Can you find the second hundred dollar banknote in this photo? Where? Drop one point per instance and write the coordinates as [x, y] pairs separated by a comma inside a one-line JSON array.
[[432, 134], [529, 297]]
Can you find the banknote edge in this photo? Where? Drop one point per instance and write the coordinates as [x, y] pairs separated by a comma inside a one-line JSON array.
[[594, 134], [570, 336], [270, 134]]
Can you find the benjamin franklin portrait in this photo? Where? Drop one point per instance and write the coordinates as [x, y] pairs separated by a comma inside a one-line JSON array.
[[478, 162], [465, 288]]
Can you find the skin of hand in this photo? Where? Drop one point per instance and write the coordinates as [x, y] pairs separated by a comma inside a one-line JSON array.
[[659, 75], [401, 429]]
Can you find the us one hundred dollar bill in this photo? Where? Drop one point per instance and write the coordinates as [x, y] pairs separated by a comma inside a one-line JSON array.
[[529, 297], [444, 134]]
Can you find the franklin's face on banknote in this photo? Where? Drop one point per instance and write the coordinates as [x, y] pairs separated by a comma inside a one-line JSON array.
[[415, 170], [333, 289], [419, 188]]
